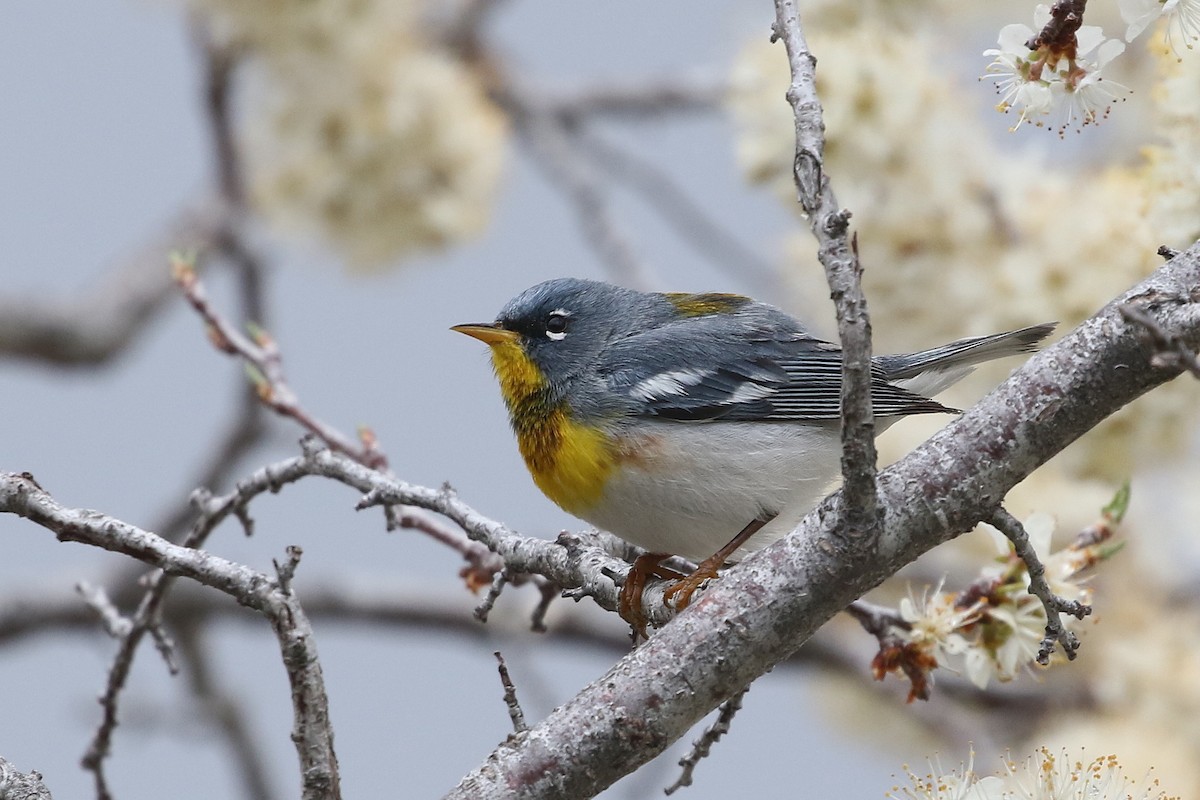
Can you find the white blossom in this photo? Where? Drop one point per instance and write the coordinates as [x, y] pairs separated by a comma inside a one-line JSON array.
[[957, 785], [1182, 16], [1088, 100], [1046, 776], [1054, 79], [936, 621]]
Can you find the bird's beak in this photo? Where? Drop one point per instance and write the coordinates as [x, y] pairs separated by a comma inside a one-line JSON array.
[[487, 332]]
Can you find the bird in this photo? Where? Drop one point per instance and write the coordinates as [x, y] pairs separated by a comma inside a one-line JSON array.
[[701, 425]]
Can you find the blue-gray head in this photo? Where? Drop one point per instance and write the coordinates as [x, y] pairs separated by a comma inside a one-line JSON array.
[[562, 324]]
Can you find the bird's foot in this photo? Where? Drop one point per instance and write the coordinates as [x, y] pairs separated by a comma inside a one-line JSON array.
[[678, 595], [629, 603]]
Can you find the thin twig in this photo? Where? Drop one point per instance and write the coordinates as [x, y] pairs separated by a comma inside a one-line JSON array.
[[838, 253], [1012, 528], [555, 151], [265, 365], [118, 674], [697, 228], [312, 732], [226, 712], [249, 426], [703, 746], [284, 572], [642, 99], [896, 653], [489, 600], [1171, 352], [482, 564], [221, 61], [100, 322], [163, 642], [549, 593], [263, 358], [875, 619], [115, 624], [510, 698]]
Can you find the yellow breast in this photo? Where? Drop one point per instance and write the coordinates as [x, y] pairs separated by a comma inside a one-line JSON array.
[[569, 462]]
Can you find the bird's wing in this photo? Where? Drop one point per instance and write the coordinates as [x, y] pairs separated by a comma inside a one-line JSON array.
[[715, 369]]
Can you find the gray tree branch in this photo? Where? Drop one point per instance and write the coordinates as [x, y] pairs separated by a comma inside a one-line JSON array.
[[16, 785], [765, 608], [97, 325], [312, 732], [762, 610], [838, 253]]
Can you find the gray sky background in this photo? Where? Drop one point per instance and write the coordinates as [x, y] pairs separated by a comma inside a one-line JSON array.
[[101, 140]]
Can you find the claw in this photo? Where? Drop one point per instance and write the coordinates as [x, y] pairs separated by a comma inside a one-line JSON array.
[[629, 603], [678, 595]]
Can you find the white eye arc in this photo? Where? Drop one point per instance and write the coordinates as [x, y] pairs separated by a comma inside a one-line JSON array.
[[556, 325]]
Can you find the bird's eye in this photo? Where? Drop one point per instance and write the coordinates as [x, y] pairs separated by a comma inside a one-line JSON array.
[[556, 325]]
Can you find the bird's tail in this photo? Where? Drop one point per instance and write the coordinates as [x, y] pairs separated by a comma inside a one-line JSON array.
[[930, 371]]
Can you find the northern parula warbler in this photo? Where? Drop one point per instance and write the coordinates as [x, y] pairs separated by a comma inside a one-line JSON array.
[[677, 420]]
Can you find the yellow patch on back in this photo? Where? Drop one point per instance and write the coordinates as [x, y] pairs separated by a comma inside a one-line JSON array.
[[701, 305], [569, 462]]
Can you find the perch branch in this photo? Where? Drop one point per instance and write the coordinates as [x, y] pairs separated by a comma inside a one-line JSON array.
[[838, 252], [764, 608]]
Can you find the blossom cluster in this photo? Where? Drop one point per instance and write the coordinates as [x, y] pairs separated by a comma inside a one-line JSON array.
[[1042, 776], [1181, 19], [1053, 71], [362, 126], [998, 235], [994, 628], [1045, 76]]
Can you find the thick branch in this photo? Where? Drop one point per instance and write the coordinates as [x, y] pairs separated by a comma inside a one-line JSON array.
[[16, 785], [764, 608]]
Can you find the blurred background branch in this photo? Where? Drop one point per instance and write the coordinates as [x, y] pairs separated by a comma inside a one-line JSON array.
[[379, 135]]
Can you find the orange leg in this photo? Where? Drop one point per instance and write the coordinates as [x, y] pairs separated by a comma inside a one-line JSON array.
[[679, 595], [630, 602]]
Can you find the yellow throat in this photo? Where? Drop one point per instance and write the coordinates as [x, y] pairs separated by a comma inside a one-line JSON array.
[[569, 462]]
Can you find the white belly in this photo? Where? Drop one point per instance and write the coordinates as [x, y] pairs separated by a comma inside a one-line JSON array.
[[689, 488]]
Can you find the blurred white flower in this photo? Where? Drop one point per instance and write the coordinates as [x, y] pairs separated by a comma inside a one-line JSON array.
[[1182, 18], [1045, 776], [1010, 639], [1026, 623], [936, 785], [1042, 776], [362, 127]]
